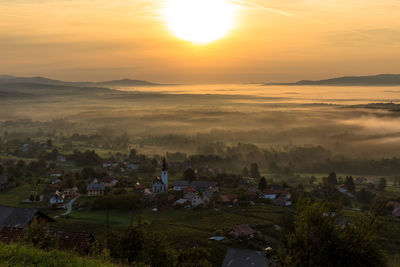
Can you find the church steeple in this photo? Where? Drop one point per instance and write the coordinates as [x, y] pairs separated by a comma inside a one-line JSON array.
[[164, 174], [164, 165]]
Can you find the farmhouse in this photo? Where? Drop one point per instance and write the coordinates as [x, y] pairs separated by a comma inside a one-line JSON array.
[[243, 231], [96, 189], [13, 221]]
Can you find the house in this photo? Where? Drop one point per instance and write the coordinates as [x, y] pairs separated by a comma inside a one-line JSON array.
[[109, 164], [109, 181], [203, 185], [59, 186], [244, 257], [13, 221], [270, 194], [54, 173], [361, 180], [251, 193], [139, 188], [54, 180], [342, 189], [207, 196], [133, 166], [96, 189], [231, 198], [181, 201], [61, 158], [57, 200], [283, 201], [92, 181], [70, 193], [194, 199], [189, 189], [396, 212], [243, 231], [180, 185]]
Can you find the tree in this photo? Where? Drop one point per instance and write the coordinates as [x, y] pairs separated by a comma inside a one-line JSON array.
[[38, 236], [349, 184], [382, 184], [262, 184], [323, 238], [332, 179], [254, 172], [132, 154], [245, 172], [189, 174]]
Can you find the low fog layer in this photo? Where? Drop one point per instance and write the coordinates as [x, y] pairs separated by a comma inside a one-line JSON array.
[[340, 120]]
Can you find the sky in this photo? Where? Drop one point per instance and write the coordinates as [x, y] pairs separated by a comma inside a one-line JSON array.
[[271, 41]]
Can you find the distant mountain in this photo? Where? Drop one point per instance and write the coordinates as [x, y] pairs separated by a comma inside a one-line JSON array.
[[376, 80], [41, 80], [126, 82]]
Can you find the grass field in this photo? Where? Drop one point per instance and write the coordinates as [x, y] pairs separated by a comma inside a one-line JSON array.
[[14, 196]]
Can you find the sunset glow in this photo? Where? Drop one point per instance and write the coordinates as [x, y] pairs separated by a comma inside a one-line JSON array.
[[199, 21]]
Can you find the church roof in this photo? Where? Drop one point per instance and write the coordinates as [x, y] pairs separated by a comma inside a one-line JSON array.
[[157, 180]]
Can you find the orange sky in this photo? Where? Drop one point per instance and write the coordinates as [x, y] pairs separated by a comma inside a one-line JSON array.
[[103, 39]]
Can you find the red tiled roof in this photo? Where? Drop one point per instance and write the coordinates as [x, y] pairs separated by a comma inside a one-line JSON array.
[[270, 192], [107, 180], [243, 230], [228, 198], [188, 189]]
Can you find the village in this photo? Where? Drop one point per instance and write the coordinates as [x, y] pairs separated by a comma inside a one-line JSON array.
[[249, 213]]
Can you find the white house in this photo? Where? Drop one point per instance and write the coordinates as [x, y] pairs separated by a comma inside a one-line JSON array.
[[61, 158], [133, 166], [108, 164], [269, 194], [194, 199], [57, 199]]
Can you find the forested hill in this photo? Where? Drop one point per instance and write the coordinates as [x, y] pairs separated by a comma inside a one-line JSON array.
[[376, 80], [7, 79]]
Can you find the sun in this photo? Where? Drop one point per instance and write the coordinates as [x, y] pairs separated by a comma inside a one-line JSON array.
[[199, 21]]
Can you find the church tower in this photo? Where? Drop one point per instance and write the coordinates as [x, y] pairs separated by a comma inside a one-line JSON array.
[[164, 175]]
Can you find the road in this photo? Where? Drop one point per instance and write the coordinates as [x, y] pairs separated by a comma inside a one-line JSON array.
[[69, 206]]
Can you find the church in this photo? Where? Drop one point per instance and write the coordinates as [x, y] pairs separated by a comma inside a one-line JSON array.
[[160, 185]]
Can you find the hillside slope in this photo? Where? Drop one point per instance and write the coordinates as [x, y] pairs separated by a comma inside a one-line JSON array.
[[18, 255]]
